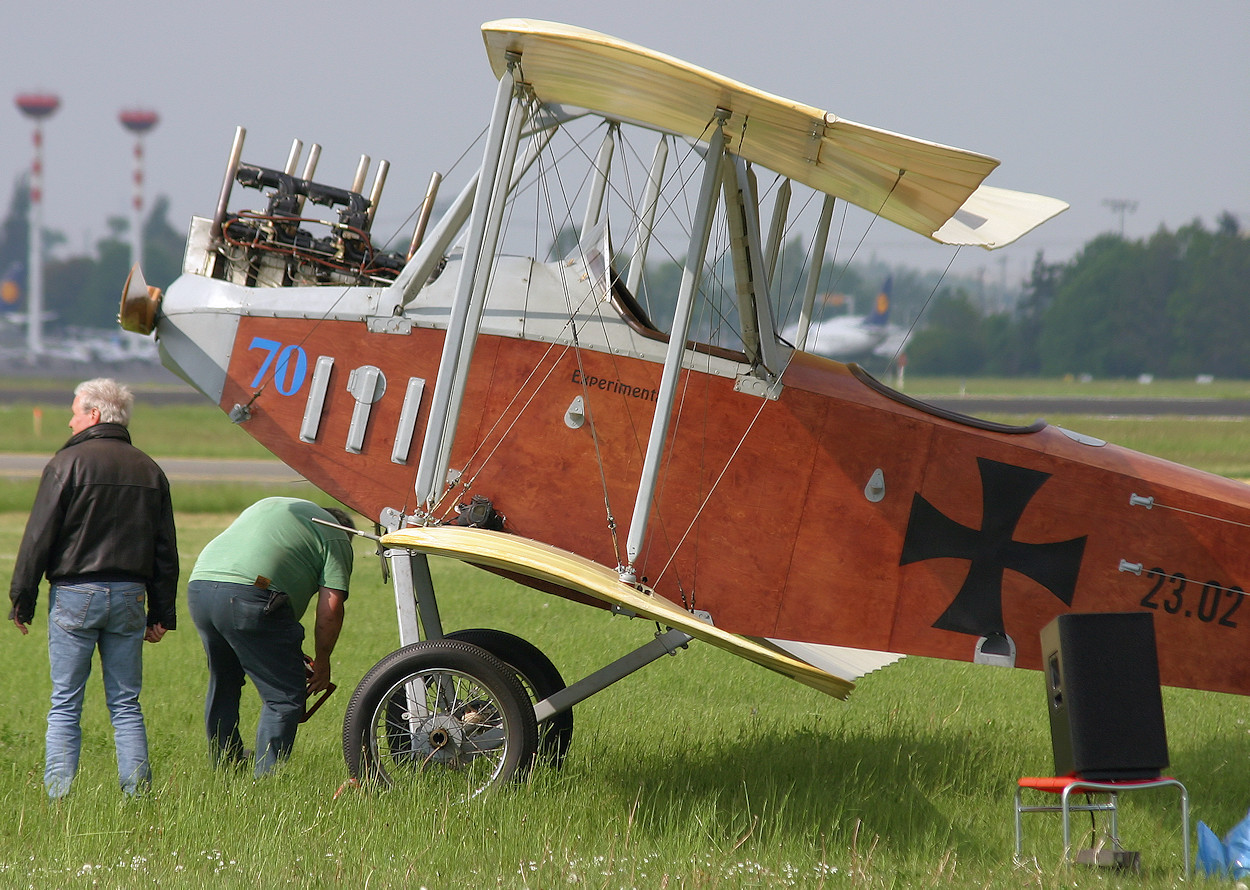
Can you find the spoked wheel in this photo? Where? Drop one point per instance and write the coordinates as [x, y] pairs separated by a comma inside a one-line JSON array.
[[537, 674], [440, 711]]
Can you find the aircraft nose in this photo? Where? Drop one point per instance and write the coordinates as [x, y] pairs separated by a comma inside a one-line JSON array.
[[140, 301]]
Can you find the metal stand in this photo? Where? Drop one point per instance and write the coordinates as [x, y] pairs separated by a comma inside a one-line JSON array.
[[1065, 786]]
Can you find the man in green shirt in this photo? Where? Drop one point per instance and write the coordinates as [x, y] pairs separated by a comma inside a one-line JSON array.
[[247, 593]]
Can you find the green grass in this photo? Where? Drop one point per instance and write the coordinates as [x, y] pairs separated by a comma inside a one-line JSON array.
[[200, 431], [1074, 387], [161, 430], [1214, 444], [188, 497], [700, 771]]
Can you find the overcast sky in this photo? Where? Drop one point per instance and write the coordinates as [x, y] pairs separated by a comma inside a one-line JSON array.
[[1145, 101]]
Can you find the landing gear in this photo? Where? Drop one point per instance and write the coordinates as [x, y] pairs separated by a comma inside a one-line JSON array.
[[440, 711], [463, 709], [537, 674]]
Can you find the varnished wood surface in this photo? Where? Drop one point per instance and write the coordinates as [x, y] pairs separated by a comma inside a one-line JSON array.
[[761, 518]]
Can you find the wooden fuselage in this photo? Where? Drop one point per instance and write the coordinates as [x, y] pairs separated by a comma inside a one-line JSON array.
[[763, 516], [787, 496]]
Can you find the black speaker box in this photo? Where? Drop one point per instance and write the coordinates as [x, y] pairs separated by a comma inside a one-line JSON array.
[[1102, 685]]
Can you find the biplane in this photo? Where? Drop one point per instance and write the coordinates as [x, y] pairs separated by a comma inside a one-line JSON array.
[[573, 376]]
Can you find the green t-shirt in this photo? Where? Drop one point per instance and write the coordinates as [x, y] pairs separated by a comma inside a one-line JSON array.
[[276, 539]]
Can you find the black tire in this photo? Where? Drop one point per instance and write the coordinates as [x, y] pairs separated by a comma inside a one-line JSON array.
[[440, 711], [537, 674]]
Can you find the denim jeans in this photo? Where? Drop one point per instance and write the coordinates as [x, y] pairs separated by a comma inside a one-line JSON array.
[[111, 615], [241, 641]]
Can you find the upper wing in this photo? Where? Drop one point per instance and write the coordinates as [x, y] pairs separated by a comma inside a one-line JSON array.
[[919, 185]]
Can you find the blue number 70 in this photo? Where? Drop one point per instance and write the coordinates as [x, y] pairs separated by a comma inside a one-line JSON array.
[[272, 346]]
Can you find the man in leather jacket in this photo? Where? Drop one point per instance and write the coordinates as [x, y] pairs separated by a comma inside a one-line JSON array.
[[102, 531]]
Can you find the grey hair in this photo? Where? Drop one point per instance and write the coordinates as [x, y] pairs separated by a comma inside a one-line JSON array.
[[112, 399]]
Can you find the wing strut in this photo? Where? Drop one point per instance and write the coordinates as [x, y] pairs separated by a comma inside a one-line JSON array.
[[813, 274], [781, 207], [481, 284], [647, 221], [603, 164], [751, 275], [470, 290], [700, 233], [433, 248]]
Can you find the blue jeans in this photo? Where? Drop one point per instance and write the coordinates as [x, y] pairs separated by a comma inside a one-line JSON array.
[[113, 616], [241, 641]]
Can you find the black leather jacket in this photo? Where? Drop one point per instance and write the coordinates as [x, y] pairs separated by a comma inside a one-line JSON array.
[[102, 509]]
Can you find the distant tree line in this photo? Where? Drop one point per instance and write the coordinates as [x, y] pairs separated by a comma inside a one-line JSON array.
[[1175, 304], [85, 291]]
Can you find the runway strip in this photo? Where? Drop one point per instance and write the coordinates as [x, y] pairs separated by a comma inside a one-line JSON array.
[[12, 392], [1040, 406], [177, 469], [29, 466]]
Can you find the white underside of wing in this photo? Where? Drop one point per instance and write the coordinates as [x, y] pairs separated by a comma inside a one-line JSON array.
[[840, 661], [994, 217]]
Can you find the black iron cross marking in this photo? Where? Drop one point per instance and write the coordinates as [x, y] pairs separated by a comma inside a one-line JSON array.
[[1005, 492]]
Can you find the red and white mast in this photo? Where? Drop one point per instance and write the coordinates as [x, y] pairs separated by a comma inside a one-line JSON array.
[[139, 122], [37, 107]]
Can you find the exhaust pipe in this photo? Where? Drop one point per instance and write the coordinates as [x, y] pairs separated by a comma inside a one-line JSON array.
[[379, 180], [427, 207], [232, 169]]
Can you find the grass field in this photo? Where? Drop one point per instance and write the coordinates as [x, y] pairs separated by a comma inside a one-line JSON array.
[[1210, 443], [1074, 387], [165, 431], [701, 771]]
